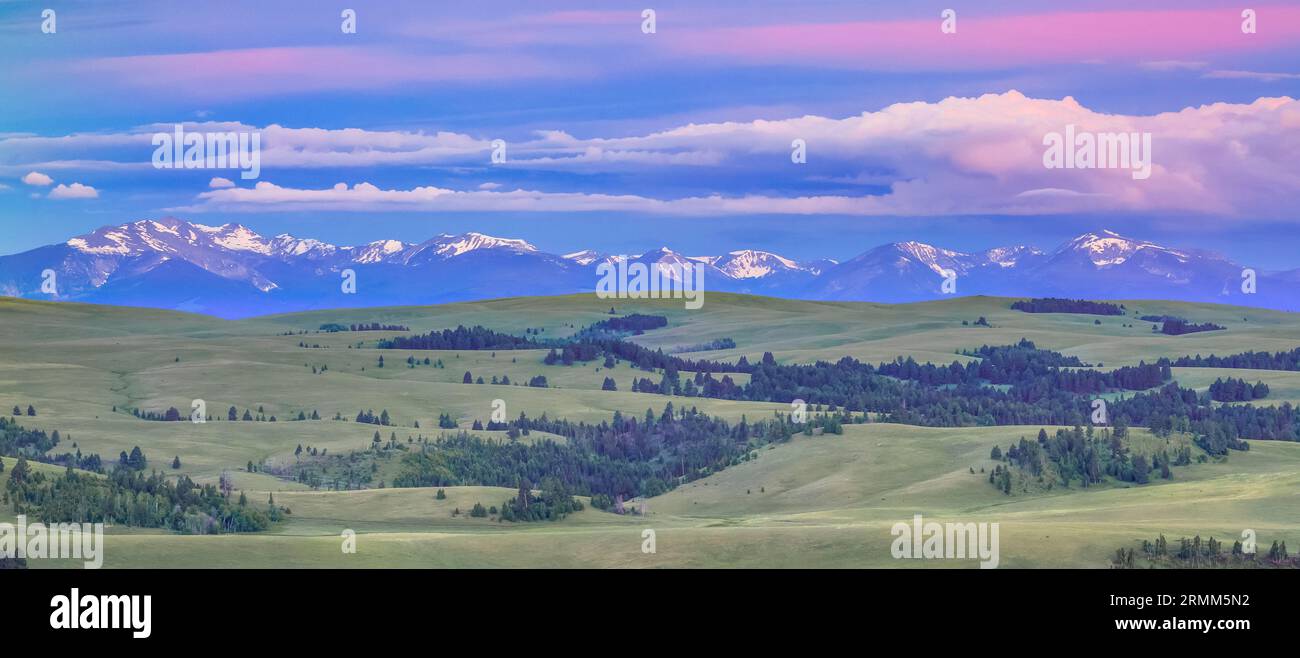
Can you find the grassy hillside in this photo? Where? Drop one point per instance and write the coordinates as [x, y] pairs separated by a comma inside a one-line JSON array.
[[817, 501]]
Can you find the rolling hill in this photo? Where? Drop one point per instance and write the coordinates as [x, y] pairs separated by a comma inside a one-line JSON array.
[[815, 501]]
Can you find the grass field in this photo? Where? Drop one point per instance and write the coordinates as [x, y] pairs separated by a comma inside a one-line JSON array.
[[816, 501]]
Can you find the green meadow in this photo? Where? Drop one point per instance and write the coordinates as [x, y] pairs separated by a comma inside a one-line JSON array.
[[817, 501]]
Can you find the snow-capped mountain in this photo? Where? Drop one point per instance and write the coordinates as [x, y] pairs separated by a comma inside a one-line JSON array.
[[584, 257], [232, 271], [1016, 256], [751, 264], [379, 251], [1100, 265]]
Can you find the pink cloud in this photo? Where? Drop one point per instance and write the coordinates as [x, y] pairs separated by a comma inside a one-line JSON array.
[[997, 41], [74, 191], [955, 156], [265, 71]]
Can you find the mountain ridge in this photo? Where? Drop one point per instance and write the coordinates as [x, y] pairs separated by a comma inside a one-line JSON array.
[[230, 270]]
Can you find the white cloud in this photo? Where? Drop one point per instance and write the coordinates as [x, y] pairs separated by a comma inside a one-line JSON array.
[[37, 178], [266, 196], [489, 186], [1252, 75], [74, 191], [218, 182]]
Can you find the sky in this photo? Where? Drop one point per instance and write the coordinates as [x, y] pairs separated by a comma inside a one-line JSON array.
[[612, 136]]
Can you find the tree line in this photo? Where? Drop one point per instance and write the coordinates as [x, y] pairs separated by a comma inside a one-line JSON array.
[[128, 497], [460, 338], [1237, 390], [1058, 305]]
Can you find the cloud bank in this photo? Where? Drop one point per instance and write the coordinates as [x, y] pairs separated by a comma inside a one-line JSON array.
[[952, 157]]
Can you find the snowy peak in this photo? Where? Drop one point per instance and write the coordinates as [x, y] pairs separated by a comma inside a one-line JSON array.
[[133, 239], [584, 257], [451, 246], [1108, 249], [1007, 257], [235, 237], [753, 264], [169, 236], [378, 251], [934, 258], [667, 256], [288, 246]]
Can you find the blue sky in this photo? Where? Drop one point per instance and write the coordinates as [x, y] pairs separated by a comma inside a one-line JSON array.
[[621, 141]]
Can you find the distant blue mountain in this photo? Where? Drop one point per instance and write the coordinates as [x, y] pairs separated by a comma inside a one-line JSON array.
[[231, 271]]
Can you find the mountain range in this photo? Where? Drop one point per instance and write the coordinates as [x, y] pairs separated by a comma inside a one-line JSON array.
[[231, 271]]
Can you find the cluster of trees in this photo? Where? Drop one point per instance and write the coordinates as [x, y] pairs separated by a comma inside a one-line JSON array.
[[1058, 305], [1218, 427], [368, 416], [354, 470], [503, 381], [18, 411], [411, 362], [460, 338], [1197, 554], [554, 502], [233, 414], [1044, 387], [635, 323], [626, 455], [615, 349], [172, 414], [1179, 326], [1026, 365], [1083, 456], [1245, 360], [135, 461], [128, 497], [1237, 390], [333, 327], [715, 344], [18, 441]]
